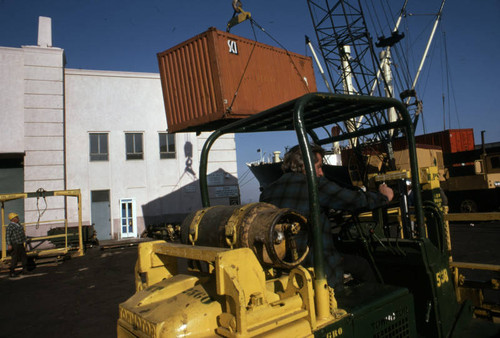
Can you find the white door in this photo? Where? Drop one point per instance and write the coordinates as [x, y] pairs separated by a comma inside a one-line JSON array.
[[128, 218]]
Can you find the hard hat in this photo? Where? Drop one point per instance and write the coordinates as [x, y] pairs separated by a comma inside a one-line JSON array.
[[13, 215]]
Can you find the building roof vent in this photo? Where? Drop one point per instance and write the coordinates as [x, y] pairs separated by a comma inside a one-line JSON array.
[[44, 31]]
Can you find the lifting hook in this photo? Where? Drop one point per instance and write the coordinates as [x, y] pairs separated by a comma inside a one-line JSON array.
[[239, 15]]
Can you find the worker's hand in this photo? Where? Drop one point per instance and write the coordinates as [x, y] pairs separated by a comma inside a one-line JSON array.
[[10, 247], [386, 191]]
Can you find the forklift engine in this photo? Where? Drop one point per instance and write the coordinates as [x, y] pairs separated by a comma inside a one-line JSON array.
[[278, 237], [177, 296]]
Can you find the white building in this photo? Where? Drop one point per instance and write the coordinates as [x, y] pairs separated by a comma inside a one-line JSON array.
[[103, 132]]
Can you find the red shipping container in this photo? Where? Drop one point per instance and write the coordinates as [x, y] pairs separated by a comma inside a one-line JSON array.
[[217, 77], [451, 140]]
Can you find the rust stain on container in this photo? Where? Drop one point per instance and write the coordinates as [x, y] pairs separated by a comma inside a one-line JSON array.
[[217, 77]]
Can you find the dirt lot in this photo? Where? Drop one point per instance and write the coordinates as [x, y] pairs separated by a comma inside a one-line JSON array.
[[80, 297]]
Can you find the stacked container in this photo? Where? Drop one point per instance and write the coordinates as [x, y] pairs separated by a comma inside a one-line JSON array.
[[451, 140]]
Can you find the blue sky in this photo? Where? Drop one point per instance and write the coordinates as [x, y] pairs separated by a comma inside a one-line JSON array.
[[125, 35]]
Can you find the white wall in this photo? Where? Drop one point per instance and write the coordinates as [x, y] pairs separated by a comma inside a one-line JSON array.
[[31, 111], [43, 132], [11, 100], [119, 102]]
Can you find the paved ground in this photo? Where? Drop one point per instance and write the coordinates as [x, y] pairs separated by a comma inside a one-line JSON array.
[[478, 243], [80, 297]]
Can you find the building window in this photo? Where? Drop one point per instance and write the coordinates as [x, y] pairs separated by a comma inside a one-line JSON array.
[[133, 144], [167, 145], [98, 146]]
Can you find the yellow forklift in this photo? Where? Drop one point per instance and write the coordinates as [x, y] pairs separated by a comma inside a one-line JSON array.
[[237, 271]]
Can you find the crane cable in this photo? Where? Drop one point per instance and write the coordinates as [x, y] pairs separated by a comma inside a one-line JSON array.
[[254, 23], [248, 179], [449, 84], [444, 79], [229, 109], [245, 174]]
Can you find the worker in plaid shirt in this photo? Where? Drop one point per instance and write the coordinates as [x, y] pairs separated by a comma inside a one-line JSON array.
[[15, 241], [290, 191]]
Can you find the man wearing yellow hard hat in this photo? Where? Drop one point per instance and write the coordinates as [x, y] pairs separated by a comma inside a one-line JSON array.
[[15, 241]]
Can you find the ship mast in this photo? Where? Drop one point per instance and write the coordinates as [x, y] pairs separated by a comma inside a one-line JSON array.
[[424, 57]]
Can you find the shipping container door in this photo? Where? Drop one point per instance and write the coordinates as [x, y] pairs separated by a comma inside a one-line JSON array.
[[128, 218]]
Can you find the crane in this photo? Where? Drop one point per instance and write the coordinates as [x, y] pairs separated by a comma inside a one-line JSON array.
[[354, 65]]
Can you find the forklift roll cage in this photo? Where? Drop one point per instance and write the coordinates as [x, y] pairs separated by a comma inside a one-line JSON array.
[[315, 110]]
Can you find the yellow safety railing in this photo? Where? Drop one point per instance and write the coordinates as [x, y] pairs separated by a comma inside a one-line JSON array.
[[44, 252]]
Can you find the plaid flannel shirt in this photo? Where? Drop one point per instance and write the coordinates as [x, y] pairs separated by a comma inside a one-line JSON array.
[[15, 234], [290, 191]]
